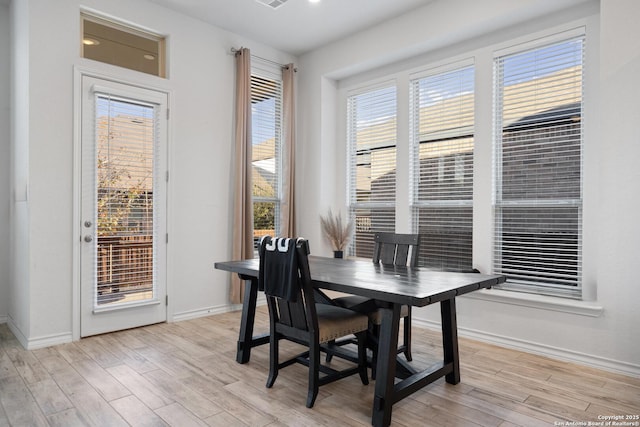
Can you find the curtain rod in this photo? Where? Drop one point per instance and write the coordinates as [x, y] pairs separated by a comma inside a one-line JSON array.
[[235, 51]]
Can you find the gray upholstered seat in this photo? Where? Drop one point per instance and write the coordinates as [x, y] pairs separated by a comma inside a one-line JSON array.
[[337, 322]]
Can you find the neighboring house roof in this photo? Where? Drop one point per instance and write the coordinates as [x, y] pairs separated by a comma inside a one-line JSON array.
[[262, 181], [569, 113], [549, 96], [264, 175], [125, 152]]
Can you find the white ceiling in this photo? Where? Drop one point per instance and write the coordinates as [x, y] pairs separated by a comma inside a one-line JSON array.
[[297, 26]]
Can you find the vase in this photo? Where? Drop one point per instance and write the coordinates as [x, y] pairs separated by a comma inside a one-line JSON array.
[[337, 254]]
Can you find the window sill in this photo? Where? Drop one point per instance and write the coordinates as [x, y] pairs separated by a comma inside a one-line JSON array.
[[543, 302]]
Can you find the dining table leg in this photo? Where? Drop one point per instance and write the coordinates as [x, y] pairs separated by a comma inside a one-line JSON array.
[[245, 340], [386, 369], [450, 339]]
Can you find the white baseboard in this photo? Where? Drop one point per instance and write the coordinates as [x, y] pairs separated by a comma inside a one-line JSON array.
[[209, 311], [611, 365], [38, 342], [64, 338], [16, 332], [46, 341]]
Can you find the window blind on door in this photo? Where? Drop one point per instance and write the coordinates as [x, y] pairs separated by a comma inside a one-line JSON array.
[[266, 123], [371, 135], [538, 167], [126, 219], [442, 119]]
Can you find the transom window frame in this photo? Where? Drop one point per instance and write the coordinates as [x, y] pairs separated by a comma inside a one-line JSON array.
[[130, 43]]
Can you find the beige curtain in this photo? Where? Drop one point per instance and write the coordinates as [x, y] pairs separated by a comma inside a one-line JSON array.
[[243, 203], [287, 206]]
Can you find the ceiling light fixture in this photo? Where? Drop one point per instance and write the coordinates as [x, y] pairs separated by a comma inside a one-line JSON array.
[[314, 1], [149, 56], [90, 42]]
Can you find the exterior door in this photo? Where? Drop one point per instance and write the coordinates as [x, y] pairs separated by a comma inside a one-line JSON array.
[[123, 207]]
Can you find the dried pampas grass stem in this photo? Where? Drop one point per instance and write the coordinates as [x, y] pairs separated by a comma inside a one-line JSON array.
[[337, 232]]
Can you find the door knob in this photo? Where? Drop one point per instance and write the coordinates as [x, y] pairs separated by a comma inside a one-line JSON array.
[[88, 238], [87, 224]]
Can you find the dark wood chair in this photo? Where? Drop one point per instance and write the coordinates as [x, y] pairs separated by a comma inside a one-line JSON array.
[[391, 249], [294, 315]]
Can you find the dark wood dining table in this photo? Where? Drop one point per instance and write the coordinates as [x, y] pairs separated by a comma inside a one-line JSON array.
[[392, 287]]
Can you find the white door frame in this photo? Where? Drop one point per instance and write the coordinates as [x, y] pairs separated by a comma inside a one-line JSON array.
[[132, 79]]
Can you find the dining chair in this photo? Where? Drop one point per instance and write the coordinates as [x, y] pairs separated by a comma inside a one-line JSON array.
[[390, 249], [294, 315]]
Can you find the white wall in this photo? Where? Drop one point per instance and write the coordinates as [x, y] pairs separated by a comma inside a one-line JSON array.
[[619, 201], [597, 331], [4, 160], [200, 82], [19, 286]]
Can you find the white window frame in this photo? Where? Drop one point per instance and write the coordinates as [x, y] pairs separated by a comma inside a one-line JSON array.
[[138, 43], [353, 204], [414, 180], [483, 223], [524, 285], [273, 72]]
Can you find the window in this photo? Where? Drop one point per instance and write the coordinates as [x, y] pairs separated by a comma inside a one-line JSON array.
[[125, 145], [116, 44], [371, 127], [266, 127], [538, 166], [442, 118]]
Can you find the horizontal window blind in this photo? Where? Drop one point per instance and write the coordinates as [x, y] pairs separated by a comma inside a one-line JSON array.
[[266, 122], [442, 119], [368, 221], [372, 131], [538, 167], [126, 218]]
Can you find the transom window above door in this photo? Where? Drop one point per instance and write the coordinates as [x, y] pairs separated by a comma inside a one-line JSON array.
[[127, 47]]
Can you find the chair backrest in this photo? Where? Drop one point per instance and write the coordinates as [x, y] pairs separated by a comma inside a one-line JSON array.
[[284, 275], [396, 249]]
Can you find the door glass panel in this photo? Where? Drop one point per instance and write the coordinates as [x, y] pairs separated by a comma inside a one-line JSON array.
[[125, 261]]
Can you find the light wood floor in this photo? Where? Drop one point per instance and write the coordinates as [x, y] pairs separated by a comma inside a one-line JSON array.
[[185, 374]]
